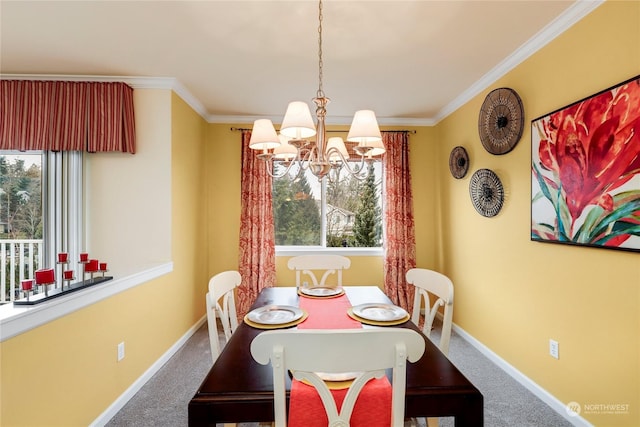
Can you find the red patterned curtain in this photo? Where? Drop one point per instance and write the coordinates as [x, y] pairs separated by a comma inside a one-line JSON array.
[[257, 263], [69, 116], [399, 239]]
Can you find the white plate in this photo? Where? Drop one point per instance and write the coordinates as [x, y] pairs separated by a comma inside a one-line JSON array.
[[340, 376], [379, 312], [275, 314], [321, 291]]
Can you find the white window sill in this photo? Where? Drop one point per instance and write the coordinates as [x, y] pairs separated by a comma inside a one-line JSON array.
[[317, 250], [17, 320]]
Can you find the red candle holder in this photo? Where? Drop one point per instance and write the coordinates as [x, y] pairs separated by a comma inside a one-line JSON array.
[[91, 267], [45, 278], [63, 259], [27, 287], [84, 259], [103, 268]]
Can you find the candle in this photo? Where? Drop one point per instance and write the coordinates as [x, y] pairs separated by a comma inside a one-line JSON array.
[[63, 257], [27, 285], [45, 276], [103, 266], [68, 274], [91, 266], [84, 257]]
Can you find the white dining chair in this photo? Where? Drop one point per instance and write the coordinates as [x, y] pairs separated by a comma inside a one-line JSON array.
[[310, 265], [304, 352], [440, 286], [221, 303]]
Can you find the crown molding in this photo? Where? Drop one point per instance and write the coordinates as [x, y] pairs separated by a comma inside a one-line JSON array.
[[563, 22], [333, 120]]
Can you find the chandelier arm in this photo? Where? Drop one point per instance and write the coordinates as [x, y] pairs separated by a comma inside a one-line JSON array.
[[304, 158], [358, 171], [269, 160]]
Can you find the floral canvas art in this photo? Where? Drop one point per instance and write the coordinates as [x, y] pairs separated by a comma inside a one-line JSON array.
[[585, 171]]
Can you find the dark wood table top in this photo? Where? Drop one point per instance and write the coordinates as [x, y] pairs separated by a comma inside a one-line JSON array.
[[238, 389]]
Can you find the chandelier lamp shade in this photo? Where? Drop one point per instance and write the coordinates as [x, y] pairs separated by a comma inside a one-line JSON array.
[[292, 146]]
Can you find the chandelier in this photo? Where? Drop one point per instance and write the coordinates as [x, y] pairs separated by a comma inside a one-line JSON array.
[[293, 147]]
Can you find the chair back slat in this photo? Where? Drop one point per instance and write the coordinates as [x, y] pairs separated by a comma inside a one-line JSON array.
[[305, 352], [221, 303], [314, 266]]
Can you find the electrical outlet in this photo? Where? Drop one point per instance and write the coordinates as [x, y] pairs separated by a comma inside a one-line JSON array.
[[120, 351], [554, 350]]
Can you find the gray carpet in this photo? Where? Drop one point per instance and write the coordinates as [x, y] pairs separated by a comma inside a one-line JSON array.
[[163, 400]]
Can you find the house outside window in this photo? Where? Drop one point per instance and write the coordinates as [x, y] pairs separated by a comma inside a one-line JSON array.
[[338, 213]]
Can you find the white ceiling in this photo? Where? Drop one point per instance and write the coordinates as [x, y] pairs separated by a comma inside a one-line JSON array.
[[413, 62]]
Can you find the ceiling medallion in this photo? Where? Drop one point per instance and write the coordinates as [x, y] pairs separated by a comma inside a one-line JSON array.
[[458, 162], [486, 191], [501, 120]]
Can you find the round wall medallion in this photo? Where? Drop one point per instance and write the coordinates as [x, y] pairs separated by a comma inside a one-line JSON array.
[[501, 120], [487, 193], [458, 162]]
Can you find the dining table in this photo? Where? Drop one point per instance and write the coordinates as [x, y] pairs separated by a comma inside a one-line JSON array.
[[239, 389]]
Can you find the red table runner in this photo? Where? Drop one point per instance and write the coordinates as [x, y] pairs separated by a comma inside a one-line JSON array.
[[373, 407]]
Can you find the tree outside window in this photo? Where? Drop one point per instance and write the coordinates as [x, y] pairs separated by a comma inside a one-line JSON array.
[[347, 211], [21, 197]]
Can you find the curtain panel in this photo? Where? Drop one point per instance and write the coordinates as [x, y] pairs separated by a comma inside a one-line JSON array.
[[66, 116], [399, 227], [257, 263]]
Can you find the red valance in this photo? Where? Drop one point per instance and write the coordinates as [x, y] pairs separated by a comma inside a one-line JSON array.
[[62, 115]]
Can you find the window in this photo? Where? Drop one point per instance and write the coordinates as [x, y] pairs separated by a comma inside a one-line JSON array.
[[40, 213], [344, 212]]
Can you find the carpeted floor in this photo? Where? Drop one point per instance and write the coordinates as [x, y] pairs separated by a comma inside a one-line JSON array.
[[163, 400]]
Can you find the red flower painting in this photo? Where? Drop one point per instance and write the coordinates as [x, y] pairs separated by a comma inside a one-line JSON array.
[[586, 171]]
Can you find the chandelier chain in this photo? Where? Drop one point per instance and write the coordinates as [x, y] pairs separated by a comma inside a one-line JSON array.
[[320, 93]]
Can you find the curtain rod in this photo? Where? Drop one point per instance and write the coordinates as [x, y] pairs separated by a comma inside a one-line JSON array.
[[341, 131]]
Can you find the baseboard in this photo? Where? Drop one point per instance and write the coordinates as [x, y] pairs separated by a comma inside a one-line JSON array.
[[122, 400], [542, 394]]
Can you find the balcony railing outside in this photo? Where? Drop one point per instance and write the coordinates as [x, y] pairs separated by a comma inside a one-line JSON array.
[[19, 259]]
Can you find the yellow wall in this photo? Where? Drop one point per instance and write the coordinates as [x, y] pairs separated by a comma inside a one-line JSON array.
[[104, 175], [512, 294], [65, 373]]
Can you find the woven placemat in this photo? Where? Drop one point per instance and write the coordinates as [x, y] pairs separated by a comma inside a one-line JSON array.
[[277, 326], [378, 322]]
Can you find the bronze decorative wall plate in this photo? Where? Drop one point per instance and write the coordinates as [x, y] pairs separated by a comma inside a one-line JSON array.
[[501, 120], [486, 191], [458, 162]]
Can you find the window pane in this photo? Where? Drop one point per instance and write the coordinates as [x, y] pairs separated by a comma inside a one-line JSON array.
[[354, 210], [343, 211], [296, 209], [21, 196], [21, 220]]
